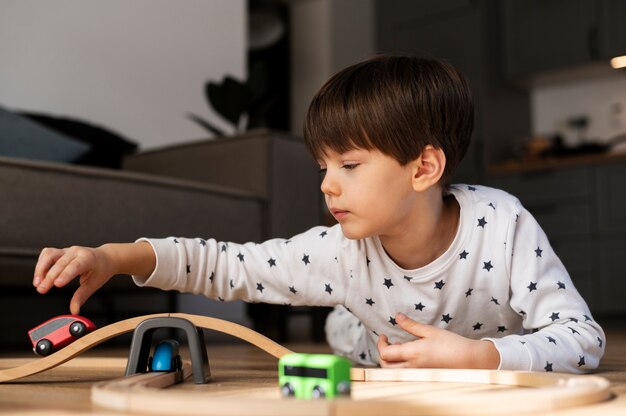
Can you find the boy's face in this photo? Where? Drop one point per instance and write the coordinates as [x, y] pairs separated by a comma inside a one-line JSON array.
[[368, 192]]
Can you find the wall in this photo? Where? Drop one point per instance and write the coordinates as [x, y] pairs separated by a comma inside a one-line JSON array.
[[326, 36], [603, 100], [137, 67]]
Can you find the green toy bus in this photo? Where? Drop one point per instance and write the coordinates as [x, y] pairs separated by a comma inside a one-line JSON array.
[[313, 376]]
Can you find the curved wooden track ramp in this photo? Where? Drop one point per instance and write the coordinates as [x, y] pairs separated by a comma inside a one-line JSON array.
[[415, 391], [110, 331]]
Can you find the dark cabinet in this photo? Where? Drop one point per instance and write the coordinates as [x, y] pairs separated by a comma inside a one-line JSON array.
[[583, 212], [541, 35]]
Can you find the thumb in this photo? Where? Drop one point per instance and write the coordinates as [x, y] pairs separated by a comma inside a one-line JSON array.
[[413, 327]]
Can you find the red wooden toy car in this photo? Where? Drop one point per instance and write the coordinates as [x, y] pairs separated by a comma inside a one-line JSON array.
[[58, 332]]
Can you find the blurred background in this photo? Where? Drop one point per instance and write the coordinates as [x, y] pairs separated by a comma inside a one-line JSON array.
[[117, 116]]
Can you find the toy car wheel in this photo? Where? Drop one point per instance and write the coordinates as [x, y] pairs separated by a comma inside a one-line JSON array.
[[78, 329], [343, 387], [318, 393], [44, 347], [287, 390]]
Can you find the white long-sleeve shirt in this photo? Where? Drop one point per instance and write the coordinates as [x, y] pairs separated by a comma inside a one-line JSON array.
[[499, 280]]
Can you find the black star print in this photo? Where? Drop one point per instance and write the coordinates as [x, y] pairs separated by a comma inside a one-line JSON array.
[[463, 255], [305, 259], [538, 251], [532, 286], [552, 340], [581, 360], [175, 241], [232, 285], [501, 328], [328, 288], [494, 300], [259, 287], [492, 206], [573, 330], [554, 316], [368, 260], [392, 321], [573, 320], [439, 285], [293, 290], [469, 292], [370, 301], [482, 222], [272, 262], [211, 277], [587, 318], [548, 366], [388, 283], [223, 247], [561, 285], [446, 318], [471, 188], [287, 241], [487, 265], [202, 242], [477, 326], [362, 355], [599, 342], [323, 234], [408, 278], [419, 306], [522, 313], [240, 256], [188, 268]]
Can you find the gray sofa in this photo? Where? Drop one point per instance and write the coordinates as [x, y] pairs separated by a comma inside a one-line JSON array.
[[236, 189]]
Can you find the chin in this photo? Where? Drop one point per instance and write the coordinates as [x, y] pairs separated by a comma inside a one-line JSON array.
[[351, 234]]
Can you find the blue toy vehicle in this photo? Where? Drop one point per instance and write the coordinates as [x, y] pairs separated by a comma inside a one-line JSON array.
[[166, 357]]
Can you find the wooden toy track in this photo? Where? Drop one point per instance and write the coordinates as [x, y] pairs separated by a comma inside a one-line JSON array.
[[110, 331], [463, 392]]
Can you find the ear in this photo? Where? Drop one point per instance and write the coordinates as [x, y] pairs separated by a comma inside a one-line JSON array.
[[428, 168]]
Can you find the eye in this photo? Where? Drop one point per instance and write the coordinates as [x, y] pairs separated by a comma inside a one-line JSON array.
[[349, 166]]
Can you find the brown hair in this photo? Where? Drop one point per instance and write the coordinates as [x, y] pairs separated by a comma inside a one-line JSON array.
[[396, 104]]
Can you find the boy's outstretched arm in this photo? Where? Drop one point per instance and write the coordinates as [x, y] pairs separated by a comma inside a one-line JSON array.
[[436, 348], [93, 266]]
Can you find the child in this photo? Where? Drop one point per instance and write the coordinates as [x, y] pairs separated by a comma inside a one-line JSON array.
[[429, 275]]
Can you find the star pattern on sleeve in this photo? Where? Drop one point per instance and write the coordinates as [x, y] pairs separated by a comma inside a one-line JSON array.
[[532, 286], [259, 287], [323, 234], [446, 318], [439, 285], [538, 251], [388, 283], [487, 265], [548, 366], [477, 326], [293, 290], [554, 316], [272, 262], [328, 288], [392, 321], [240, 257], [419, 306], [482, 222], [305, 259], [469, 292], [463, 255]]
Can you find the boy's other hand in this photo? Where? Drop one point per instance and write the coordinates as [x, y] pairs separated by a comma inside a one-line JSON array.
[[436, 348], [58, 267]]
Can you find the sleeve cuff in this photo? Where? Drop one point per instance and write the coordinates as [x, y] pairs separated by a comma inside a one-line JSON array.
[[162, 276], [513, 353]]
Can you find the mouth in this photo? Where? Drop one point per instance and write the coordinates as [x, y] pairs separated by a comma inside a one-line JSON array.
[[339, 213]]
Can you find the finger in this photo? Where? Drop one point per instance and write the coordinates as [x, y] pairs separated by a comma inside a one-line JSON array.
[[47, 258], [70, 272], [389, 364], [392, 353], [383, 341], [413, 327], [54, 271], [81, 295]]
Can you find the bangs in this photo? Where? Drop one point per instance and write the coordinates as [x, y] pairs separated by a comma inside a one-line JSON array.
[[362, 107]]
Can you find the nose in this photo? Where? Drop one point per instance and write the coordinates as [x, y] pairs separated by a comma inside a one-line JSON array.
[[329, 185]]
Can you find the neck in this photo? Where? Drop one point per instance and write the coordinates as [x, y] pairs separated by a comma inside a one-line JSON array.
[[426, 233]]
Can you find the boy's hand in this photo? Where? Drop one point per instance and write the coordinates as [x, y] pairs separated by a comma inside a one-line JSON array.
[[58, 267], [436, 348]]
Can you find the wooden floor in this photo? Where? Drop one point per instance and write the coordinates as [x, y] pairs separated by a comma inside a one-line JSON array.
[[234, 367]]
